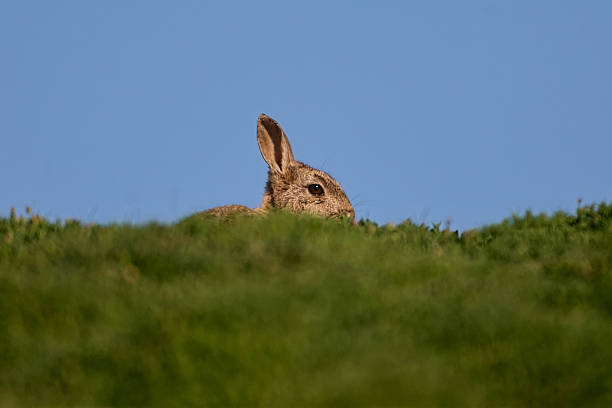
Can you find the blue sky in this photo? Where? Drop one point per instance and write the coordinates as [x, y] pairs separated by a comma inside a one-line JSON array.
[[146, 110]]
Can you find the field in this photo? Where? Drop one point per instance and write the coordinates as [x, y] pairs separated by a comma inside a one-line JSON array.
[[298, 311]]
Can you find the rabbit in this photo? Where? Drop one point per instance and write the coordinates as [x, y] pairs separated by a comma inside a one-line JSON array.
[[291, 185]]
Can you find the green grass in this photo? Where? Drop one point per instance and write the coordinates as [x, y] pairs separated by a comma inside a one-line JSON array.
[[298, 311]]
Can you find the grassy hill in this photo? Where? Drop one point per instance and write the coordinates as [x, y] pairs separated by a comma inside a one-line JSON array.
[[297, 311]]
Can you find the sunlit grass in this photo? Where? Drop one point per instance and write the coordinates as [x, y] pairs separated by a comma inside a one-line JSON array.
[[294, 311]]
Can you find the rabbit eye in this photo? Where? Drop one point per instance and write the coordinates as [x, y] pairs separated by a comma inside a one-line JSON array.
[[315, 189]]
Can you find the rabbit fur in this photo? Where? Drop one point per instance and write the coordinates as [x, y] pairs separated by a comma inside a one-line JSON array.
[[291, 185]]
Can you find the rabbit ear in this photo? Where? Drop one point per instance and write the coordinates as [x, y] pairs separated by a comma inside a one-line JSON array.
[[273, 144]]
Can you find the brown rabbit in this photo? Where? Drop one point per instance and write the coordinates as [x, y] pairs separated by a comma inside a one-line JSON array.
[[291, 184]]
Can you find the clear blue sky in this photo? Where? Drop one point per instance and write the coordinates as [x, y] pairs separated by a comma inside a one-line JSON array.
[[146, 110]]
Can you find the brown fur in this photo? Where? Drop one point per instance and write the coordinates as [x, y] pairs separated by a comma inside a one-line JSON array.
[[288, 180]]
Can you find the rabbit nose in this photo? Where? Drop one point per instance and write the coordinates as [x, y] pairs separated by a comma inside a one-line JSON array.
[[351, 214]]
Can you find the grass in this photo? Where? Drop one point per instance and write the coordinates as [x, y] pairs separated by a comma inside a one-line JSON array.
[[299, 311]]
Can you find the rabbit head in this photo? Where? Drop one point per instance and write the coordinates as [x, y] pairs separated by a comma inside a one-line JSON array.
[[294, 185]]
